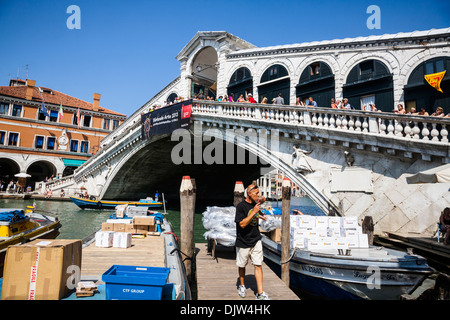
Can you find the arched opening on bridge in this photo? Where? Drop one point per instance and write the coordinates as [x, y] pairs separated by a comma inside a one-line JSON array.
[[274, 80], [241, 82], [39, 171], [153, 168], [171, 97], [8, 168], [204, 73], [420, 94], [370, 82], [316, 81]]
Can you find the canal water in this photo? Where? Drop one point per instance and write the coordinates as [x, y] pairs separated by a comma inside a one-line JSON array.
[[77, 223]]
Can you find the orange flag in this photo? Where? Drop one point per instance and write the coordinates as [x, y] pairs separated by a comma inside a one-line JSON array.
[[435, 79]]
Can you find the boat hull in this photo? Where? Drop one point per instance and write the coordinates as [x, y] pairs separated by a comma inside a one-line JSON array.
[[110, 205], [344, 278]]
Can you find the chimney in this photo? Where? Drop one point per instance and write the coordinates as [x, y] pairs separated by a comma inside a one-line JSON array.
[[96, 100], [30, 88]]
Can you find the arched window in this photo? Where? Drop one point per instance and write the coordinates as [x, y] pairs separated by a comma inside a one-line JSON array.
[[241, 82], [274, 80], [419, 93], [171, 97], [370, 82], [316, 81]]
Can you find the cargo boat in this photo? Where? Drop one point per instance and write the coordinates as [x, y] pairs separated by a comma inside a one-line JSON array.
[[16, 226], [176, 287], [373, 273], [111, 204]]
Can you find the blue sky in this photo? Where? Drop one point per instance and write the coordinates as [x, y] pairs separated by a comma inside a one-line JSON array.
[[126, 50]]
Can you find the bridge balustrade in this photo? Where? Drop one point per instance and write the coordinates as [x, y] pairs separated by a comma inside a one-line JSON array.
[[424, 128]]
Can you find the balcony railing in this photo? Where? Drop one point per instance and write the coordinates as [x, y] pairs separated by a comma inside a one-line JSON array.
[[425, 128]]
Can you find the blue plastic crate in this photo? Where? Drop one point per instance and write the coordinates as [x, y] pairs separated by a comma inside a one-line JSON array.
[[134, 282]]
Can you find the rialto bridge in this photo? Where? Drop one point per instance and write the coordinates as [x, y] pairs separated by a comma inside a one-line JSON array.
[[357, 161]]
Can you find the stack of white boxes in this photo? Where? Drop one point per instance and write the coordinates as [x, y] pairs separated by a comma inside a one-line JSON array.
[[104, 239], [324, 232]]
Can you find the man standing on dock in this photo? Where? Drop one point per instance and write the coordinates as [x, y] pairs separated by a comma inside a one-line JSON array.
[[248, 239]]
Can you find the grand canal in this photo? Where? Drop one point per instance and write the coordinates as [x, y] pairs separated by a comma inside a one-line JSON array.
[[77, 223]]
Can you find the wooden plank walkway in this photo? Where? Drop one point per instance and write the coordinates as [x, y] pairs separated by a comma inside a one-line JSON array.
[[217, 279], [143, 252]]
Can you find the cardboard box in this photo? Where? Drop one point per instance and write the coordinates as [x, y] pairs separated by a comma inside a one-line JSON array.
[[41, 270], [121, 210], [334, 222], [363, 240], [104, 239], [333, 232], [348, 233], [142, 229], [131, 228], [306, 221], [275, 235], [123, 221], [353, 242], [122, 240], [314, 243], [133, 211], [119, 227], [321, 222], [341, 243], [298, 243], [107, 226], [144, 220], [349, 222]]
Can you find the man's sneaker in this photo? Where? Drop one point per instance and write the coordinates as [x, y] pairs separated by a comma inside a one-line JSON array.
[[241, 291], [262, 296]]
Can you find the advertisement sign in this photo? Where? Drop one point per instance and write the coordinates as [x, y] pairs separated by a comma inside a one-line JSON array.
[[166, 119]]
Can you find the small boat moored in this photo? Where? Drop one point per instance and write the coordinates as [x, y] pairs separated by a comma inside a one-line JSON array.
[[16, 226], [110, 204]]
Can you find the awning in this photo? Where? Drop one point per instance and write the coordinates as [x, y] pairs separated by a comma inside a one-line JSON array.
[[439, 174], [73, 162]]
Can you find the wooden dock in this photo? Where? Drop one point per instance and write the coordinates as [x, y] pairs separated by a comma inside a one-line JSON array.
[[217, 278], [148, 251], [437, 254]]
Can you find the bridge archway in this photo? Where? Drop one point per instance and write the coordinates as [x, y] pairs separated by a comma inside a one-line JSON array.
[[370, 81], [204, 72], [419, 94], [171, 97], [317, 81], [8, 168], [275, 80], [241, 82], [40, 170], [215, 180]]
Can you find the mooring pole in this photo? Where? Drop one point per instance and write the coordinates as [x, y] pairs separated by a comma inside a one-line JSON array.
[[285, 229], [187, 201], [238, 193]]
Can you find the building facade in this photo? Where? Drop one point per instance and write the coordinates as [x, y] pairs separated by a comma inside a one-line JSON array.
[[384, 70], [47, 134]]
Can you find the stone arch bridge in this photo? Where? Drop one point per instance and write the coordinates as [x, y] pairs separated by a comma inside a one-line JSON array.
[[358, 160]]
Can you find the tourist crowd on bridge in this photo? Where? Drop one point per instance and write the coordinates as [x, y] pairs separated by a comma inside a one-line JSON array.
[[309, 102]]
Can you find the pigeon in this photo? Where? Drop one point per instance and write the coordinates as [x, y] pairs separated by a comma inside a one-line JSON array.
[[349, 158]]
